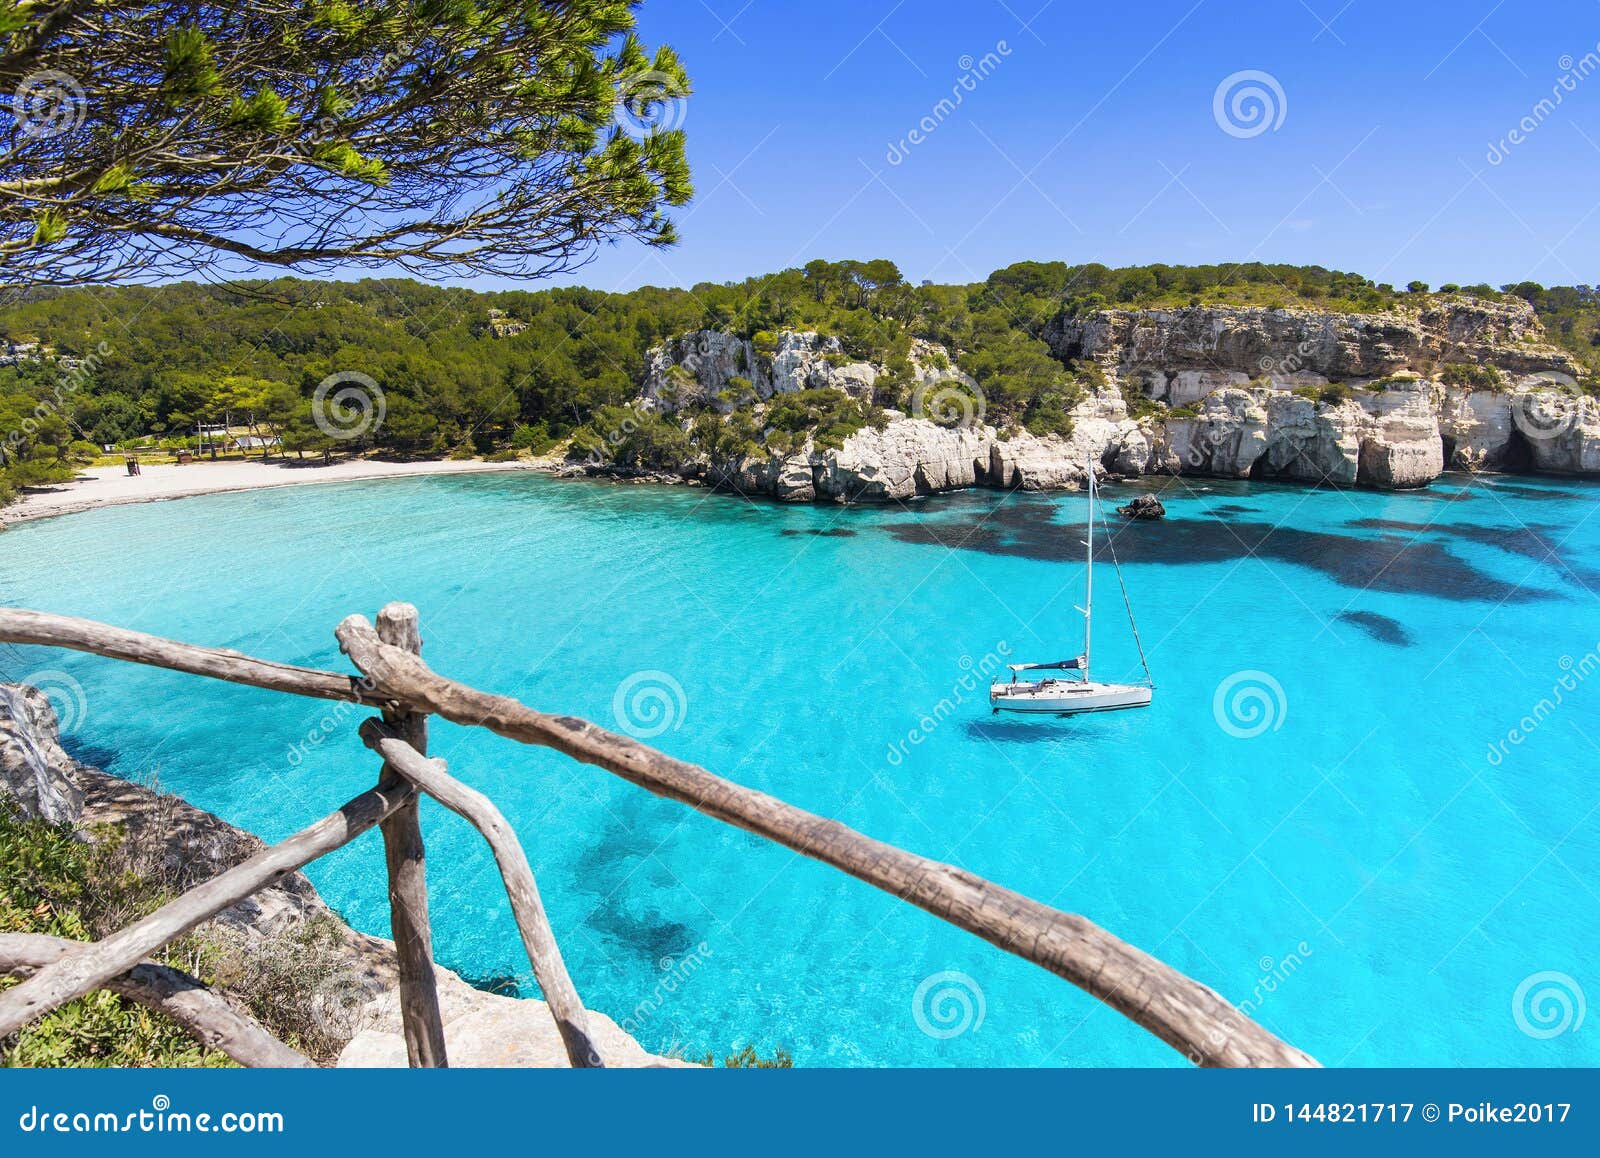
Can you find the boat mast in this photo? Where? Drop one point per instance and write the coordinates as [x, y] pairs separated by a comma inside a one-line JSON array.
[[1088, 587]]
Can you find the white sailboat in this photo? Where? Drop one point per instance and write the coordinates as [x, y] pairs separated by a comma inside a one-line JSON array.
[[1070, 696]]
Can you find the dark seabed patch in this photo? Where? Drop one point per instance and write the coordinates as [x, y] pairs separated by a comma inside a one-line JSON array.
[[1536, 541], [821, 533], [1525, 491], [92, 755], [1233, 509], [625, 916], [652, 937], [1396, 563], [1380, 627]]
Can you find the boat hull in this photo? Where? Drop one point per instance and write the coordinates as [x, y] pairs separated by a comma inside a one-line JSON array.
[[1066, 697]]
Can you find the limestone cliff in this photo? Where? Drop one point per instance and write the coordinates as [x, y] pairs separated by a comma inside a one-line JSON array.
[[1383, 400], [713, 368], [1178, 355]]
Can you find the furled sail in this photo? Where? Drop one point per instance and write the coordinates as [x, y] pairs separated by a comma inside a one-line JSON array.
[[1059, 665]]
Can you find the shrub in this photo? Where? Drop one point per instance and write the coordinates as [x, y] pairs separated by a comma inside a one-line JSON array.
[[85, 884], [1473, 376], [748, 1059], [1333, 393], [740, 391], [1140, 404], [1090, 374], [828, 415], [536, 437], [627, 437], [737, 436]]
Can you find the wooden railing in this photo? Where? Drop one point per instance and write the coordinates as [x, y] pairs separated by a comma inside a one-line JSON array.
[[394, 680]]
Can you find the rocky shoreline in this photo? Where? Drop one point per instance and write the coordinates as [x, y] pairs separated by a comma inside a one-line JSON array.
[[356, 1001], [1372, 400]]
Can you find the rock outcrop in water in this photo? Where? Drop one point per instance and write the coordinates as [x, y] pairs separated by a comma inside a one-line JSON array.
[[1387, 400], [1143, 507]]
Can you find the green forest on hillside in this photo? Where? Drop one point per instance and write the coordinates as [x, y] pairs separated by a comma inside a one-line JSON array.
[[466, 372]]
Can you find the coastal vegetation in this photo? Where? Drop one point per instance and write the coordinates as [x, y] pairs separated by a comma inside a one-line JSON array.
[[471, 373], [84, 883]]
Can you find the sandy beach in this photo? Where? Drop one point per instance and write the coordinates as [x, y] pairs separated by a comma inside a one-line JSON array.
[[110, 486]]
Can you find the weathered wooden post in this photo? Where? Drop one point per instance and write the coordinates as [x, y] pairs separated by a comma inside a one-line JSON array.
[[407, 866]]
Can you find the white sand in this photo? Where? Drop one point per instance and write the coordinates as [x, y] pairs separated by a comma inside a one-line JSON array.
[[109, 486]]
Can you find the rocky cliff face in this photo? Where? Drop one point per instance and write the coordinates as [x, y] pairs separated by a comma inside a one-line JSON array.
[[709, 367], [1242, 391], [1178, 355]]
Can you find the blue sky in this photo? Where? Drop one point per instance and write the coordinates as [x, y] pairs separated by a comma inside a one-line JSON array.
[[1092, 137]]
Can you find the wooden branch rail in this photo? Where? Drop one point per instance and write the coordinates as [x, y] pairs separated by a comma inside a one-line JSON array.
[[544, 954], [97, 963], [47, 630], [1189, 1016], [166, 990]]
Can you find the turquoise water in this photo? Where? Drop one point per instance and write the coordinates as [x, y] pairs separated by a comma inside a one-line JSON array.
[[1368, 872]]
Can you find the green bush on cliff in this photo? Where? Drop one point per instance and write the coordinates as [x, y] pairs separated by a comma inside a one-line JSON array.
[[1140, 404], [829, 416], [1473, 376]]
